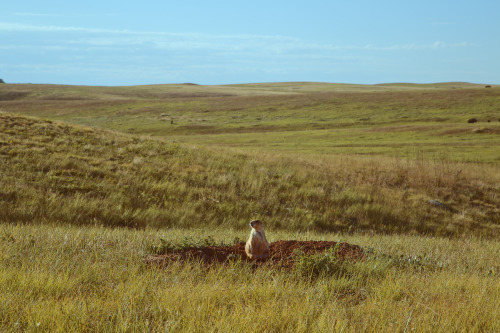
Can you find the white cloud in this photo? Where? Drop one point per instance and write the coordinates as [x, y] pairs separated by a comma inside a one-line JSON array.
[[95, 37], [17, 27], [36, 14], [102, 55], [413, 47]]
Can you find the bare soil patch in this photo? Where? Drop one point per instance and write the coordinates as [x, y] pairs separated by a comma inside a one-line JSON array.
[[282, 253], [474, 130]]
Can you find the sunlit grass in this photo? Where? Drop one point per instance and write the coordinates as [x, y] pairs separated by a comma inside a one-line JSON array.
[[52, 172], [81, 206], [385, 120], [62, 278], [473, 144]]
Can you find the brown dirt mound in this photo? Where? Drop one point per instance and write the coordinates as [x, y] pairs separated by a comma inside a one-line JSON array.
[[282, 253]]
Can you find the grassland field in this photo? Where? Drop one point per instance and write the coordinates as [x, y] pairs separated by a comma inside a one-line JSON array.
[[391, 120], [92, 179]]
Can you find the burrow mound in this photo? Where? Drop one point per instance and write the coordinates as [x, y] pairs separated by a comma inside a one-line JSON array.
[[282, 253]]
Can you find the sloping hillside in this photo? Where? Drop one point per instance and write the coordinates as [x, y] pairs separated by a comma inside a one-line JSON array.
[[56, 173]]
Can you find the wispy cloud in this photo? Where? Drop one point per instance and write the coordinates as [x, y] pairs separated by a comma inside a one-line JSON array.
[[411, 47], [17, 27], [36, 14], [113, 55], [97, 37]]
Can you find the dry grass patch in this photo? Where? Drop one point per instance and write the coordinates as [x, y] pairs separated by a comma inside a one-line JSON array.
[[67, 278], [82, 176]]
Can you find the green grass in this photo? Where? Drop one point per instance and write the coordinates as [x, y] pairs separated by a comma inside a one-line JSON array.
[[388, 120], [93, 179]]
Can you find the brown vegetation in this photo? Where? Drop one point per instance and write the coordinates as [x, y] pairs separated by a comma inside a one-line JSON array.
[[282, 253]]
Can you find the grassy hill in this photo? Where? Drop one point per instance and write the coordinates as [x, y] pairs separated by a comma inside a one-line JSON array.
[[64, 174]]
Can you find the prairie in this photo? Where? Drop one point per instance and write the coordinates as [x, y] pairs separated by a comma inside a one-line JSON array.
[[93, 179], [398, 120]]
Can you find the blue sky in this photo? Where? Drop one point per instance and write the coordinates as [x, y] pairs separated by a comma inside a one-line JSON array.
[[110, 42]]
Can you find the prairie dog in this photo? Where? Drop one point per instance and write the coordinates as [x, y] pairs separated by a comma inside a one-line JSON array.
[[257, 246]]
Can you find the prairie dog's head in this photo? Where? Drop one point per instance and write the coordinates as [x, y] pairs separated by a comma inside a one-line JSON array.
[[257, 225]]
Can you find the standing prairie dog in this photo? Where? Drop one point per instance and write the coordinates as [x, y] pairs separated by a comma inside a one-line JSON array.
[[257, 246]]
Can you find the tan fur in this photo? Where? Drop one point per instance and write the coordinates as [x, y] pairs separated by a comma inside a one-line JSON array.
[[257, 246]]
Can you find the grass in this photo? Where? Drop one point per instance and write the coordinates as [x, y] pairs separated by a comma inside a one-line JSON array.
[[56, 173], [305, 118], [94, 279], [92, 179]]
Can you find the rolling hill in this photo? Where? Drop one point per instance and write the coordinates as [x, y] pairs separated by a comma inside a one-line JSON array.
[[57, 173], [398, 120]]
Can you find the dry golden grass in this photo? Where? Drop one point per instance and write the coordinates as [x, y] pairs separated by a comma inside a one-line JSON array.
[[55, 173], [80, 207], [64, 278]]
